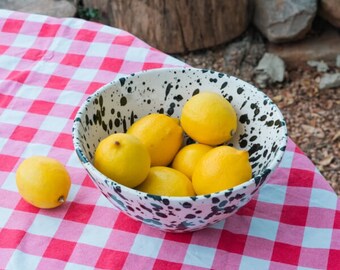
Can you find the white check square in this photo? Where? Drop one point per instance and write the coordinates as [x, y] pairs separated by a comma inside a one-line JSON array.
[[74, 161], [323, 199], [36, 18], [11, 117], [34, 149], [5, 213], [136, 54], [200, 256], [17, 261], [273, 194], [74, 266], [146, 246], [8, 62], [84, 74], [253, 263], [69, 98], [98, 49], [29, 92], [45, 67], [53, 123], [263, 228], [9, 183], [44, 225], [317, 238], [94, 235], [2, 142], [61, 45], [24, 41]]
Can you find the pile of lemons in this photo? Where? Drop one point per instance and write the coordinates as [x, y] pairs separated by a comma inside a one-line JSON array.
[[151, 157]]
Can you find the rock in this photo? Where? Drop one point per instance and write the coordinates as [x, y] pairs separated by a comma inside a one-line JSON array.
[[330, 81], [330, 11], [282, 21], [321, 66], [337, 60], [270, 69], [60, 9], [319, 47], [242, 55]]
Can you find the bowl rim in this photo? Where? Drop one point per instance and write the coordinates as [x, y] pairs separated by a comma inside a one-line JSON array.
[[90, 167]]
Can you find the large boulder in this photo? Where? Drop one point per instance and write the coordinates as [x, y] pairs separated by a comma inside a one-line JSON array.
[[330, 11], [282, 21]]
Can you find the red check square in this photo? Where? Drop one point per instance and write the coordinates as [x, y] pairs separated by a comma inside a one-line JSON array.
[[111, 64], [57, 82], [49, 30], [86, 35], [337, 220], [176, 237], [3, 48], [300, 178], [5, 100], [333, 259], [59, 249], [294, 215], [93, 87], [286, 253], [7, 163], [41, 107], [124, 40], [127, 224], [111, 259], [12, 26], [79, 212], [72, 59], [238, 240], [151, 66], [161, 264], [64, 141], [10, 238], [18, 76], [26, 207], [34, 54], [24, 134]]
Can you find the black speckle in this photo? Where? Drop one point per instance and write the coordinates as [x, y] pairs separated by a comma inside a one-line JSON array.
[[190, 216], [243, 143], [167, 90], [244, 119], [123, 101], [178, 98], [122, 81], [187, 205], [196, 92], [213, 80], [162, 215], [215, 200], [240, 90]]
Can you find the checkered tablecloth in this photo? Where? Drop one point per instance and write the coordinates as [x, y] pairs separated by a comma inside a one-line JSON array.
[[48, 67]]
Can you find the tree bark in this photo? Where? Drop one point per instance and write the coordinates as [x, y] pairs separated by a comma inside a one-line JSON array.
[[176, 26]]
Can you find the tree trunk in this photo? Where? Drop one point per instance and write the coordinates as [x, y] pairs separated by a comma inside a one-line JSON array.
[[176, 26]]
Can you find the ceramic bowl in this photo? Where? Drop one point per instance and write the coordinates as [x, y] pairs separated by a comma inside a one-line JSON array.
[[115, 106]]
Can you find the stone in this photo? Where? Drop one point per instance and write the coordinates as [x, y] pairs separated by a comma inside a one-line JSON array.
[[330, 11], [53, 8], [282, 21], [320, 66], [243, 54], [338, 61], [330, 81], [323, 47], [271, 69]]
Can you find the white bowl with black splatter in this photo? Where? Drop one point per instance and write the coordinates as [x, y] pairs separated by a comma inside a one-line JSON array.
[[115, 106]]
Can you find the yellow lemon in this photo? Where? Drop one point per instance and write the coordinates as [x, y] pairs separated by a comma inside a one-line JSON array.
[[162, 136], [209, 118], [165, 181], [43, 182], [122, 158], [221, 168], [187, 158]]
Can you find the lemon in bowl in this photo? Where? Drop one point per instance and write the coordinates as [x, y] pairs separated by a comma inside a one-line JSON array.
[[260, 131]]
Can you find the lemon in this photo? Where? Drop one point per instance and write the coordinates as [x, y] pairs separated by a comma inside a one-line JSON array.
[[43, 182], [162, 136], [187, 158], [221, 168], [122, 158], [209, 118], [165, 181]]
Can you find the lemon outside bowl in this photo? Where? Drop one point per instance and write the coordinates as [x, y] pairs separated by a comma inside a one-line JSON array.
[[115, 106]]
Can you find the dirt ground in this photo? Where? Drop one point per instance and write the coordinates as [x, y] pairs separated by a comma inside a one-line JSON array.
[[311, 114]]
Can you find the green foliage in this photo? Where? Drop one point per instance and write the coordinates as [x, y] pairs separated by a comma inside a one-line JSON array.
[[90, 14]]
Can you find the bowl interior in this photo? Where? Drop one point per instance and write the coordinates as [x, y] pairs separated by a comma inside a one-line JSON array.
[[113, 108]]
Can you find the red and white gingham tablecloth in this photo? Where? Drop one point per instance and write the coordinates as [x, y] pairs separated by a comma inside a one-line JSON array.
[[48, 67]]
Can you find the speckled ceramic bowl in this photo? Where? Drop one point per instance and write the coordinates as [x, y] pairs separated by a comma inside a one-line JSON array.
[[115, 106]]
